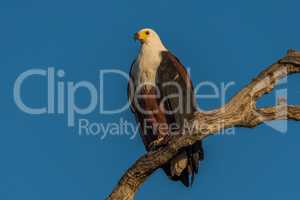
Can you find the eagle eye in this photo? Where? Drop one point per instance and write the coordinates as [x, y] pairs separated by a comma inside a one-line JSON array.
[[147, 32]]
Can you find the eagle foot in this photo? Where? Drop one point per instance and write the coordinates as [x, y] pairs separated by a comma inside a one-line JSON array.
[[158, 143]]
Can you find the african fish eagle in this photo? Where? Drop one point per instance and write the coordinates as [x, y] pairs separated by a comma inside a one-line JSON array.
[[161, 96]]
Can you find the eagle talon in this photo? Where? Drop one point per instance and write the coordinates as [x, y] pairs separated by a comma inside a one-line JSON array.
[[156, 144]]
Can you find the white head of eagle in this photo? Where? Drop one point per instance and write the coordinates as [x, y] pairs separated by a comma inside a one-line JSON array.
[[153, 75], [150, 38], [149, 57]]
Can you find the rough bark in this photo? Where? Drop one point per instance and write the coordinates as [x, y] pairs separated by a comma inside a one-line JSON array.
[[240, 111]]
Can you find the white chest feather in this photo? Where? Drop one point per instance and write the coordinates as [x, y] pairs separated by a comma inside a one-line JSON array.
[[146, 65]]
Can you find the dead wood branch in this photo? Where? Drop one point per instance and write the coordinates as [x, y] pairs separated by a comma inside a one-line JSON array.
[[240, 111]]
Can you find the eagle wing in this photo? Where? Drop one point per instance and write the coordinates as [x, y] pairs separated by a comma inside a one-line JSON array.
[[176, 89], [178, 99]]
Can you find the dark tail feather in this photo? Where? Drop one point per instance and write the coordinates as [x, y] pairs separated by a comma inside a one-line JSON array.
[[194, 155]]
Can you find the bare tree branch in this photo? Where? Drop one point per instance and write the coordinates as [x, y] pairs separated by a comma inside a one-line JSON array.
[[240, 111]]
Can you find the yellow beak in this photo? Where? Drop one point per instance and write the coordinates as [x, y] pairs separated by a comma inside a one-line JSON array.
[[140, 36]]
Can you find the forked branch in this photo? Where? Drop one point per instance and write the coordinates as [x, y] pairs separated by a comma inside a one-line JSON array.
[[240, 111]]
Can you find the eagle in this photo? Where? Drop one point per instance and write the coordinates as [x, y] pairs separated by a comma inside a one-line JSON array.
[[162, 99]]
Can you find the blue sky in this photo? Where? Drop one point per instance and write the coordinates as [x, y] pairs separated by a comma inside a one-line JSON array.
[[222, 41]]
